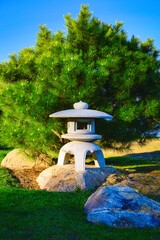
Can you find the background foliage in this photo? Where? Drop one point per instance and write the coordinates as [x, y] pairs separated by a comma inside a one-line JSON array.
[[94, 62]]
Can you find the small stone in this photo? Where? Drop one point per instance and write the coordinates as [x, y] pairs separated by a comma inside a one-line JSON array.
[[114, 179]]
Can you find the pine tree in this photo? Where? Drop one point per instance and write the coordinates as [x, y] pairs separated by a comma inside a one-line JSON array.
[[94, 62]]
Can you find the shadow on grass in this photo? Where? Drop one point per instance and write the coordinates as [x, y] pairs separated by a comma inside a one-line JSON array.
[[138, 165], [145, 155]]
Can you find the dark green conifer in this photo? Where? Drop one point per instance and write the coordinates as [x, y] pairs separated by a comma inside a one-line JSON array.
[[96, 63]]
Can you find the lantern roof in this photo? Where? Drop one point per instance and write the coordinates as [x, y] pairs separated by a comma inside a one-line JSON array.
[[81, 111]]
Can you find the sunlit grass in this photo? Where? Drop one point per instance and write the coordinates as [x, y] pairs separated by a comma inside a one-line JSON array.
[[41, 215], [151, 146]]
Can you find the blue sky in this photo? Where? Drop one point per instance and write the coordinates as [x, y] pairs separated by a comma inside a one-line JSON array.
[[19, 19]]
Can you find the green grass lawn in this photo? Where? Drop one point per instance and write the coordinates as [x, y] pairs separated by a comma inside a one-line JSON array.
[[30, 214]]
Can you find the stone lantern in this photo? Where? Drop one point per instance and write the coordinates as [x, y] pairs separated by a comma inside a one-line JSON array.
[[81, 133]]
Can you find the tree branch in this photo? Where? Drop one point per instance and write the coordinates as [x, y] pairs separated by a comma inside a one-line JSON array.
[[58, 135]]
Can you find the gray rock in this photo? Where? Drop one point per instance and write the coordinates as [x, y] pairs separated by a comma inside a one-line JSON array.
[[122, 207], [66, 179], [18, 160]]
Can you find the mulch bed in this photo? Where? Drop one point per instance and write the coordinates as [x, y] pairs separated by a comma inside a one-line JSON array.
[[27, 178]]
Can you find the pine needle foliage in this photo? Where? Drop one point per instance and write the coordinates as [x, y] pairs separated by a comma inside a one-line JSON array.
[[94, 62]]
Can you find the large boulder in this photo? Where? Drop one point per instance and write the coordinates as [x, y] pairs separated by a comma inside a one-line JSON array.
[[122, 207], [19, 160], [66, 179]]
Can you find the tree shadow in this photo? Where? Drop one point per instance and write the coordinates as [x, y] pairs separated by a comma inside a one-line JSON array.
[[145, 155], [138, 162]]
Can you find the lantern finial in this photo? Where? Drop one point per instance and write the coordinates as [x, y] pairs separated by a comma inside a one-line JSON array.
[[80, 105]]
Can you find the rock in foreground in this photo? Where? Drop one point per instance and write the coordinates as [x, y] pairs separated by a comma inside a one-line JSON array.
[[66, 179], [122, 207]]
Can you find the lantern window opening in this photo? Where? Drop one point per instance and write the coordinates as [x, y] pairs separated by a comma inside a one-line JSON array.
[[83, 125]]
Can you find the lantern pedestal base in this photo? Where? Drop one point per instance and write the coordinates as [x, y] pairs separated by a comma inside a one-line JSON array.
[[80, 150]]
